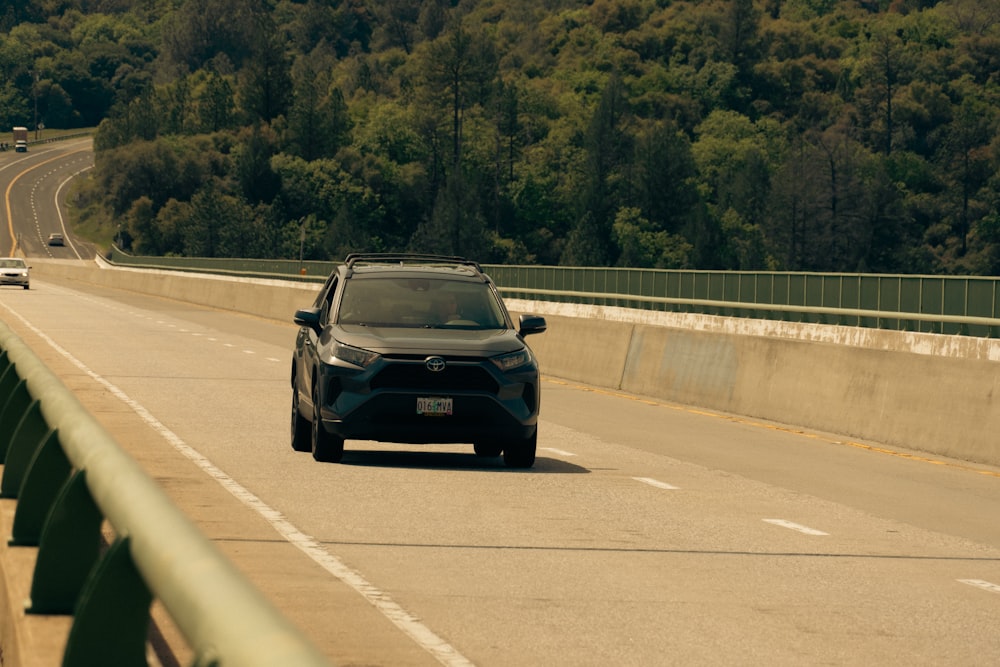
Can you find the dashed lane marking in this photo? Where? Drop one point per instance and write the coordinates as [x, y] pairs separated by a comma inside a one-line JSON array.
[[558, 452], [795, 526], [656, 483], [979, 583], [876, 449]]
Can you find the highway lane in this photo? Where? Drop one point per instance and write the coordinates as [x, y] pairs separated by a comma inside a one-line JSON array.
[[647, 533], [35, 185]]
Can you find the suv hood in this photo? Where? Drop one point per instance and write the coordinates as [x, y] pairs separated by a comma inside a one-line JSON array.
[[393, 340]]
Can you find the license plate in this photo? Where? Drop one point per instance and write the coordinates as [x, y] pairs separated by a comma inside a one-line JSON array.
[[433, 406]]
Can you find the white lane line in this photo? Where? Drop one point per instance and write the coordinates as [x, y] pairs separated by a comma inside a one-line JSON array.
[[62, 221], [979, 583], [558, 452], [795, 526], [444, 652], [655, 482]]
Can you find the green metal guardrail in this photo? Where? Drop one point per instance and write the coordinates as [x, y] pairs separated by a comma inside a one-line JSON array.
[[966, 305], [68, 475], [933, 304]]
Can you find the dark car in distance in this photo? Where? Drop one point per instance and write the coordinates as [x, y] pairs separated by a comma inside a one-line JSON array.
[[414, 349]]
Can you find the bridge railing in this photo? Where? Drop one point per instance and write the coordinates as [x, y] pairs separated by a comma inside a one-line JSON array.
[[966, 305], [68, 477]]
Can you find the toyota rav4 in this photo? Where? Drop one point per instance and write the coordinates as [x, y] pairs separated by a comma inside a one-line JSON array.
[[414, 349]]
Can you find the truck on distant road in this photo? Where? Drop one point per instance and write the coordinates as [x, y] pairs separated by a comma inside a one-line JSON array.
[[21, 139]]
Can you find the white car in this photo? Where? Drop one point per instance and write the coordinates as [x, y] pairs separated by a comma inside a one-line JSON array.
[[13, 271]]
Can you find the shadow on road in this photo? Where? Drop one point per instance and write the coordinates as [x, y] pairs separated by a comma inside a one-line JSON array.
[[452, 461]]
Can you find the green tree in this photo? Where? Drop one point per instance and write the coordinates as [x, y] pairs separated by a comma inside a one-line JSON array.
[[156, 232], [265, 81], [318, 121], [735, 158], [459, 70], [252, 161], [967, 164], [587, 244], [885, 64], [456, 225], [608, 149], [160, 170], [15, 108], [665, 184], [198, 31], [214, 104], [644, 245], [397, 23]]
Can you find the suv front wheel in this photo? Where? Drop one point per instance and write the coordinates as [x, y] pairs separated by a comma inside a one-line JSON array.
[[325, 447], [521, 453], [301, 434]]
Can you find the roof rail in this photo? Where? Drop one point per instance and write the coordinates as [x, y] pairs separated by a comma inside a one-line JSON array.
[[408, 258]]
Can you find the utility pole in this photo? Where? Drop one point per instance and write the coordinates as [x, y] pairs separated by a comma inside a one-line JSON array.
[[302, 242], [35, 89]]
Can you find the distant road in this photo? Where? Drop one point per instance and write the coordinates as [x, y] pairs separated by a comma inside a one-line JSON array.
[[34, 187]]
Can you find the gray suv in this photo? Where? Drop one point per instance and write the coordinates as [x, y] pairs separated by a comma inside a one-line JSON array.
[[414, 349]]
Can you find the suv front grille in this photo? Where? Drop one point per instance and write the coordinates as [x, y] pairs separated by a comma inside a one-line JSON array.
[[416, 376]]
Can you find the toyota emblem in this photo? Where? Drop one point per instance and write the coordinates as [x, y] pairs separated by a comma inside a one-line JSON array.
[[434, 364]]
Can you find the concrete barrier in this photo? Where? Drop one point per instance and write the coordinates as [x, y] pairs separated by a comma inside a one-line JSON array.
[[934, 393], [271, 299]]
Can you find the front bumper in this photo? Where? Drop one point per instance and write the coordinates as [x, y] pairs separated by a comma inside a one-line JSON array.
[[380, 403], [13, 279]]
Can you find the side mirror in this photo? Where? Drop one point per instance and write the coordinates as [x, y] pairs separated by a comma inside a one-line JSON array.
[[531, 324], [308, 317]]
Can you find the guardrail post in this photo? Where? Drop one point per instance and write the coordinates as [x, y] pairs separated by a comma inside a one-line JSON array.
[[111, 622], [46, 475], [8, 384], [27, 438], [68, 549], [16, 403]]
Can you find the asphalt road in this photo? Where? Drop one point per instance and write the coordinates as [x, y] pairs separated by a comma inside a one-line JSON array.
[[32, 184], [647, 533]]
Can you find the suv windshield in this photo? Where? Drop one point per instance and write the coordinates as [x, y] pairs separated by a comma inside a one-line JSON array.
[[420, 303]]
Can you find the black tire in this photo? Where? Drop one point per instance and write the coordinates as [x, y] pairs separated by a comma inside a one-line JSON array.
[[301, 433], [521, 453], [326, 448], [488, 449]]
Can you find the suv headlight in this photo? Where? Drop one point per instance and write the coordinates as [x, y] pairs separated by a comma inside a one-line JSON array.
[[354, 355], [512, 360]]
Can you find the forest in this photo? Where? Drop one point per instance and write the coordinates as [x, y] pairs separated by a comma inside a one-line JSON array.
[[785, 135]]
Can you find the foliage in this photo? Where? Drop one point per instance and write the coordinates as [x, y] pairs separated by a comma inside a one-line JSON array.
[[815, 135]]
